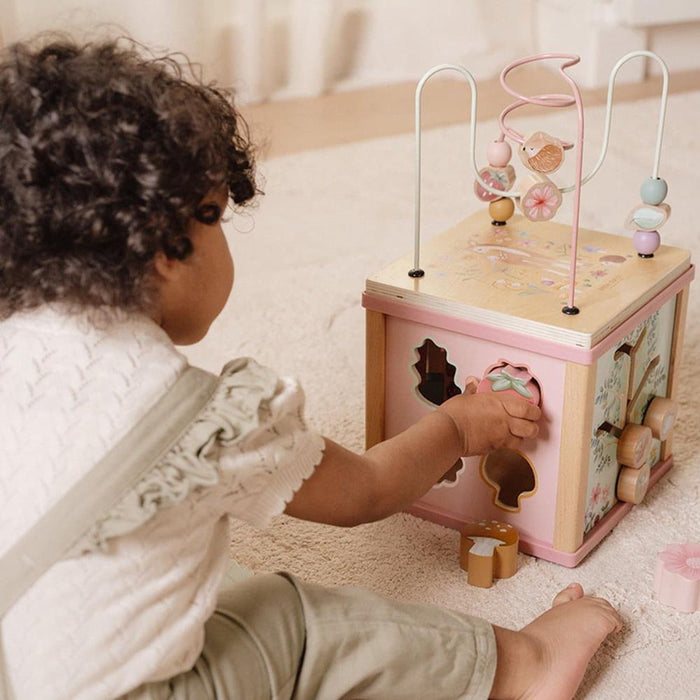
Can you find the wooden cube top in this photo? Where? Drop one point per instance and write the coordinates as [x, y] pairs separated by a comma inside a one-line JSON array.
[[516, 277]]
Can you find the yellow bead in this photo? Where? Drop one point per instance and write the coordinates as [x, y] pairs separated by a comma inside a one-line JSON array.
[[500, 210]]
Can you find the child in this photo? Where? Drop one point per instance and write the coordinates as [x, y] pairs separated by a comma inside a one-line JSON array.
[[115, 170]]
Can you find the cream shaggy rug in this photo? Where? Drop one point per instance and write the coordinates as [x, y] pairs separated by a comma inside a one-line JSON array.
[[332, 217]]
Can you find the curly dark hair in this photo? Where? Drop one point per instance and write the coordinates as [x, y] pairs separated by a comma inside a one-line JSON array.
[[105, 155]]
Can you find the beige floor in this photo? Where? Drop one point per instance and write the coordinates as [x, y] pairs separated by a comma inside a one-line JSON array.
[[296, 125]]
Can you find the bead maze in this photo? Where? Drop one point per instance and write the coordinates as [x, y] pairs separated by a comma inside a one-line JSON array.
[[587, 324]]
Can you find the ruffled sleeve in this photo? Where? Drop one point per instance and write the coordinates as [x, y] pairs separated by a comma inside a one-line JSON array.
[[250, 443], [264, 467]]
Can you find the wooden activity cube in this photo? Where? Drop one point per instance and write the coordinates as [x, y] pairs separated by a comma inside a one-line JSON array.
[[491, 298]]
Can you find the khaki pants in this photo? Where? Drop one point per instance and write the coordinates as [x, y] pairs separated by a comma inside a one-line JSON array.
[[274, 636]]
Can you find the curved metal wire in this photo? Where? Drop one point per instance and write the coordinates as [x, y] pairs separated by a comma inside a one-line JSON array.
[[416, 271]]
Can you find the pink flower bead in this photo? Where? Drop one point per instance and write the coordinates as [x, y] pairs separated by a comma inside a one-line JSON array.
[[541, 202]]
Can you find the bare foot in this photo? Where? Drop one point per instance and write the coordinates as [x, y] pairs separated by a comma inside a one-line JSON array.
[[546, 660]]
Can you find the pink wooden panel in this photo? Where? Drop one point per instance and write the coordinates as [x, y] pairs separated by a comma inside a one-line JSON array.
[[470, 497]]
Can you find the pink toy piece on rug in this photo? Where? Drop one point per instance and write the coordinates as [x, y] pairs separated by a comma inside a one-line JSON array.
[[512, 379], [677, 579]]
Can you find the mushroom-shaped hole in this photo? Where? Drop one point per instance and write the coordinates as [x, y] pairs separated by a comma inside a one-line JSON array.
[[511, 475]]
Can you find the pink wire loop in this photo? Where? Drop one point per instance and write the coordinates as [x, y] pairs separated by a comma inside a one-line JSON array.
[[549, 100], [553, 100]]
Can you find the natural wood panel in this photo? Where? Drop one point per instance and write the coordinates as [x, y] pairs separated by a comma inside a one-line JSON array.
[[515, 278], [574, 456], [675, 361]]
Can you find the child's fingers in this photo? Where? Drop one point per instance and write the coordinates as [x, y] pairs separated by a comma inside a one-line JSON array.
[[512, 442], [471, 385], [519, 408], [523, 428]]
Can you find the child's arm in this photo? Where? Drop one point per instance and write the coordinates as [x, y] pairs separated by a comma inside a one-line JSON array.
[[350, 489]]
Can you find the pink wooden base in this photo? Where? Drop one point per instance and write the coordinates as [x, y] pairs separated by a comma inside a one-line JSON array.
[[542, 550]]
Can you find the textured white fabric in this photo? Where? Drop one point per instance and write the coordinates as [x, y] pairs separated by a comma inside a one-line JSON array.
[[133, 608]]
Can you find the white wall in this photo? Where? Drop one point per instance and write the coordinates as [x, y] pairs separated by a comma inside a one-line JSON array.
[[398, 40], [284, 48], [602, 31]]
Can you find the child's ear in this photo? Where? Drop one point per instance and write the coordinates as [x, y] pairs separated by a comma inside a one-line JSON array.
[[165, 267]]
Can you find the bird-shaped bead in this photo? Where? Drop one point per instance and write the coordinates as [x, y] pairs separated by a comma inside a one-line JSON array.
[[542, 153], [647, 217]]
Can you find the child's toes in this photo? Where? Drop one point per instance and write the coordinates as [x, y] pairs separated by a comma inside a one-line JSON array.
[[572, 592]]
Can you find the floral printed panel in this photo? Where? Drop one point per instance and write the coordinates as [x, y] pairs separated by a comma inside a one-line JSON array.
[[610, 404], [656, 343]]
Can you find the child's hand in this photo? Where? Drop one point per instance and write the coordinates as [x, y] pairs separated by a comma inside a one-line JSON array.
[[488, 421]]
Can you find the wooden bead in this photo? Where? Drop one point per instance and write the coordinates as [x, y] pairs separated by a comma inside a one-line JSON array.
[[654, 190], [499, 178], [500, 210], [542, 153], [633, 484], [499, 153], [646, 243], [541, 199], [634, 445], [660, 416], [647, 217]]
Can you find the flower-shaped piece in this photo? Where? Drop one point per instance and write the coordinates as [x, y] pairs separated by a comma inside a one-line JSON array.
[[677, 580], [541, 201]]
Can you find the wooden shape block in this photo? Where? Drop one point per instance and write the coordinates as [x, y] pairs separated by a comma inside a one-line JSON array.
[[488, 550], [677, 578]]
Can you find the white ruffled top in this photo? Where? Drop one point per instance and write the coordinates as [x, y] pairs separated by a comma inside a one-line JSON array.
[[131, 608]]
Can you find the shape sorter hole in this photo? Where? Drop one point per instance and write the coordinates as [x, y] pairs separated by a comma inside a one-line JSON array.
[[437, 384], [511, 476], [437, 374]]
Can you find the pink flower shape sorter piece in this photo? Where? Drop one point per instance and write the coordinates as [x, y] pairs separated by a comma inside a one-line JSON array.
[[541, 201], [677, 580]]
